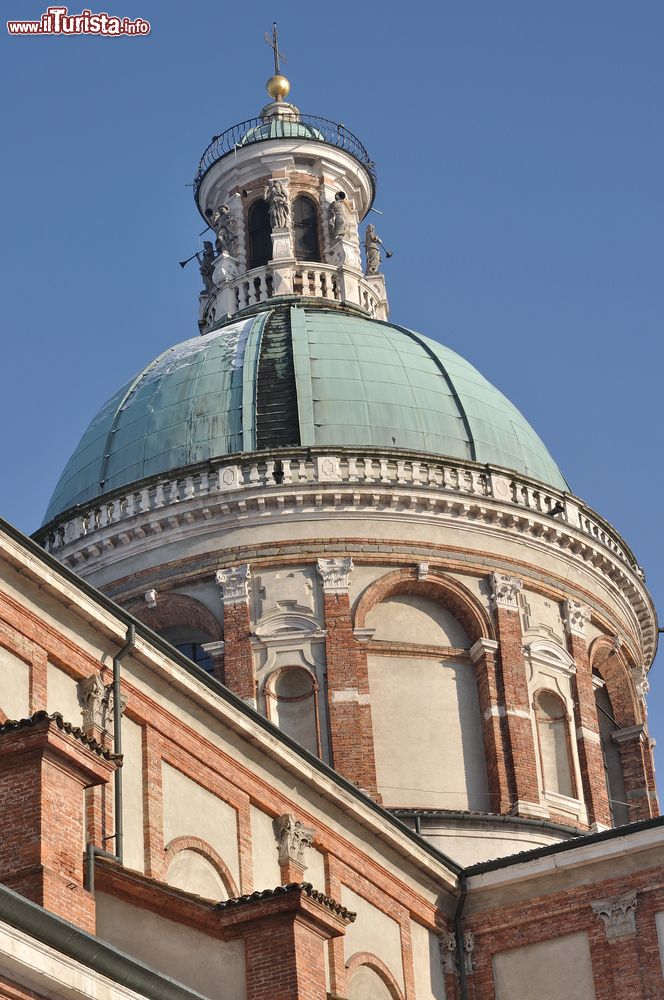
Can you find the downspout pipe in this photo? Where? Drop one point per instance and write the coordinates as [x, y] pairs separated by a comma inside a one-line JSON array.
[[117, 739], [91, 850], [458, 935]]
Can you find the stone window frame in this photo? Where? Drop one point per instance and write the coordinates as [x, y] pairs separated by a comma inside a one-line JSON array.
[[552, 669]]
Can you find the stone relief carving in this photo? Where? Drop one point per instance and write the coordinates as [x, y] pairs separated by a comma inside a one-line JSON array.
[[151, 598], [576, 616], [97, 703], [505, 591], [335, 574], [293, 838], [468, 950], [285, 591], [422, 570], [276, 197], [234, 583], [618, 913], [448, 954]]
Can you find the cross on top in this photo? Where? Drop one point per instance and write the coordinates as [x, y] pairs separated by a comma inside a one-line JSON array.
[[273, 42]]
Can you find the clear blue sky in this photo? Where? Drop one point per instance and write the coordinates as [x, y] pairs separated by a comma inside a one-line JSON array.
[[520, 153]]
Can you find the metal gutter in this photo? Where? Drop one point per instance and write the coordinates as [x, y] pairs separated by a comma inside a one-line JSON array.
[[581, 841], [466, 816], [90, 951]]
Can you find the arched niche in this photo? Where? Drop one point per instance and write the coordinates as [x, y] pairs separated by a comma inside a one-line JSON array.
[[184, 622], [306, 245], [456, 599], [423, 691], [195, 867], [415, 618], [259, 233], [368, 978], [554, 744], [613, 769], [611, 664], [291, 700], [173, 610]]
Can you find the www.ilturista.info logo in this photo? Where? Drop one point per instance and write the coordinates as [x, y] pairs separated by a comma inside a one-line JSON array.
[[58, 21]]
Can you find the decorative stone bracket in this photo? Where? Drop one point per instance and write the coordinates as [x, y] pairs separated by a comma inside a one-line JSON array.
[[618, 914], [293, 839]]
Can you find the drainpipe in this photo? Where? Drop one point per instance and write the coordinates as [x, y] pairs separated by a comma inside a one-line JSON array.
[[458, 934], [91, 851]]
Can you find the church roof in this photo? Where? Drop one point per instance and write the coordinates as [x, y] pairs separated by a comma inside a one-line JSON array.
[[299, 376]]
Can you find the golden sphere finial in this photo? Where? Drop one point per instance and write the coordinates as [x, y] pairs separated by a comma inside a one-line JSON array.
[[278, 87]]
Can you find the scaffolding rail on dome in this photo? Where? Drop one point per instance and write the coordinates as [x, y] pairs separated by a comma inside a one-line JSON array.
[[309, 127]]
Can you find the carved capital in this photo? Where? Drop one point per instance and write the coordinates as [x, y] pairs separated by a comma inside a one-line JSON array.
[[293, 838], [575, 616], [468, 950], [618, 914], [97, 703], [448, 954], [641, 682], [505, 591], [335, 574], [234, 583]]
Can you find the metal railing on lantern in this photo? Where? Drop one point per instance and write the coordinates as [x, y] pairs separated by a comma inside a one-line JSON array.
[[307, 127]]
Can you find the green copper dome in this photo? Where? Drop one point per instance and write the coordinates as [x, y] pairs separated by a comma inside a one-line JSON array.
[[299, 376]]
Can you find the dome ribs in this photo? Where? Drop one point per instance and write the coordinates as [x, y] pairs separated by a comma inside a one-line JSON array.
[[277, 422]]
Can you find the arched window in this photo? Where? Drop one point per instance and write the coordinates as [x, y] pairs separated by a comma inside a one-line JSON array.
[[190, 642], [260, 234], [291, 702], [553, 736], [305, 228], [615, 779]]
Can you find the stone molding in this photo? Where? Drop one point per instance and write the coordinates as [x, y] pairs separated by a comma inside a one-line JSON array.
[[481, 648], [618, 914], [576, 616], [335, 574], [628, 733], [234, 583], [369, 482], [505, 591], [293, 840]]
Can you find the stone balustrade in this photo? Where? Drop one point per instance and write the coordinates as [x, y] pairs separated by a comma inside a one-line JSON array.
[[384, 477], [311, 280]]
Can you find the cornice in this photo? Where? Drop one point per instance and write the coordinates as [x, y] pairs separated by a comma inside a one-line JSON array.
[[349, 485]]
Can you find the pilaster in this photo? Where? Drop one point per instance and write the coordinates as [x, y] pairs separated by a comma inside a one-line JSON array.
[[634, 745], [484, 656], [589, 743], [516, 708], [239, 669], [45, 765], [349, 702]]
